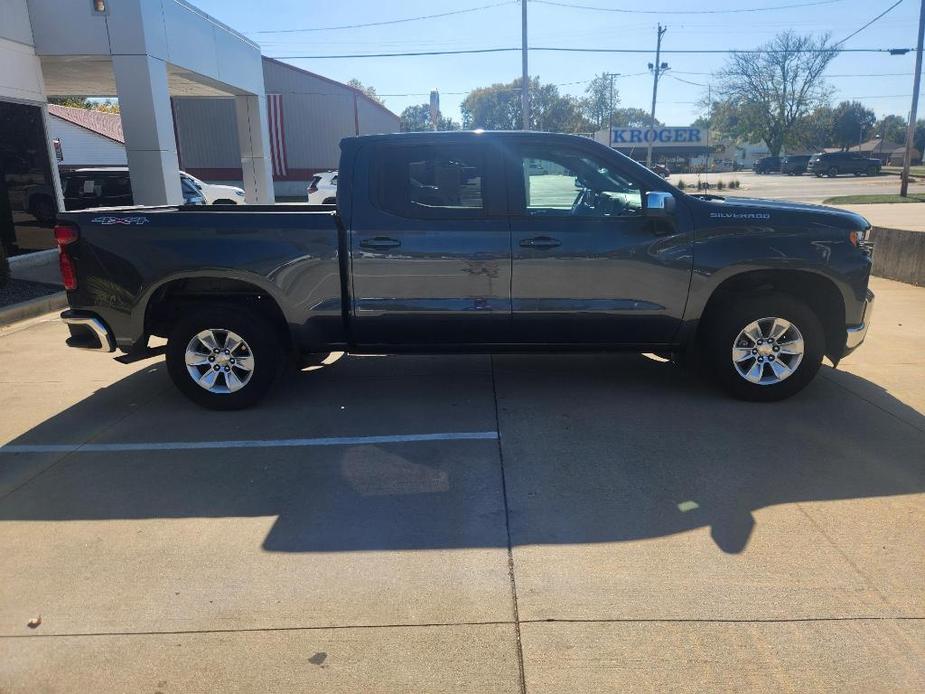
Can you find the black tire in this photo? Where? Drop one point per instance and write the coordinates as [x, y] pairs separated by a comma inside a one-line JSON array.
[[258, 332], [224, 201], [832, 172], [720, 331]]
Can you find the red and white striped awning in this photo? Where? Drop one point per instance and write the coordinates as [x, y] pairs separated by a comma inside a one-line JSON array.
[[277, 134]]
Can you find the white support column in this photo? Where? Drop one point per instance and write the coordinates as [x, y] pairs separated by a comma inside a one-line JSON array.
[[147, 123], [254, 142]]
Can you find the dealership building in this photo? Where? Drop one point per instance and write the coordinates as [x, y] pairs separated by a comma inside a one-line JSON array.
[[192, 92]]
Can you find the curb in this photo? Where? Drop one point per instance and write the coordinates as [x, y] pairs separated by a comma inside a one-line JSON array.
[[34, 259], [33, 308]]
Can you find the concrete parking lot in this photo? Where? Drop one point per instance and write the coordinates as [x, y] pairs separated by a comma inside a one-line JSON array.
[[476, 523]]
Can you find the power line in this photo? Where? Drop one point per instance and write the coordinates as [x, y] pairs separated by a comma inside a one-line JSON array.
[[554, 49], [882, 14], [386, 22], [676, 12], [866, 74], [696, 84]]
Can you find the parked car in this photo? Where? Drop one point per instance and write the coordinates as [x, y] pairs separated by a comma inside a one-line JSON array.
[[215, 193], [110, 187], [426, 252], [836, 163], [795, 164], [766, 165], [323, 189], [661, 170]]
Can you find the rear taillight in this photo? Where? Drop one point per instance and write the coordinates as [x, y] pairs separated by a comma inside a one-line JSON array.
[[65, 235]]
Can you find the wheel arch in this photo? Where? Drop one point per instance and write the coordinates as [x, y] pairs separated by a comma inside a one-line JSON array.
[[820, 293], [162, 302]]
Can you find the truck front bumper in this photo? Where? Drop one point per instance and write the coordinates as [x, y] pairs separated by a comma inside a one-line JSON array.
[[857, 333], [88, 331]]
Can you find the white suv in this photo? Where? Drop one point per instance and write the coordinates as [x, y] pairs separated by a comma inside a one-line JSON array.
[[216, 194], [323, 189]]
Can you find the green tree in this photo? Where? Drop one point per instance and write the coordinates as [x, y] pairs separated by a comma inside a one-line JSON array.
[[417, 118], [852, 124], [631, 117], [770, 90], [814, 131], [498, 107], [892, 128], [919, 138], [106, 105], [597, 104], [368, 91], [72, 101]]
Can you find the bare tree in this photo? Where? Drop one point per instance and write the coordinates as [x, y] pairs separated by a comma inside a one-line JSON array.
[[774, 88]]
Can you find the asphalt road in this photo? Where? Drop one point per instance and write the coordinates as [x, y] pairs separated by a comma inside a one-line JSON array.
[[569, 524]]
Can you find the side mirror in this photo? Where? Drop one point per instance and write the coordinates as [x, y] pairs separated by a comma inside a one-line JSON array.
[[659, 204]]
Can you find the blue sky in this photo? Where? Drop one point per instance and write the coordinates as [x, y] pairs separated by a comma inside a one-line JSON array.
[[871, 78]]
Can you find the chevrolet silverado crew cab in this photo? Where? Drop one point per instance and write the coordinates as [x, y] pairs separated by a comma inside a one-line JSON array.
[[472, 241]]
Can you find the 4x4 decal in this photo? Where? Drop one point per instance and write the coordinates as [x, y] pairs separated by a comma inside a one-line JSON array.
[[119, 220]]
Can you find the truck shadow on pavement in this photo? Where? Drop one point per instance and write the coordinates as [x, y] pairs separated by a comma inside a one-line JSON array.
[[593, 448]]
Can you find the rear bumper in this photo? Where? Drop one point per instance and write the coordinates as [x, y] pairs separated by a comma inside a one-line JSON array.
[[88, 331], [857, 333]]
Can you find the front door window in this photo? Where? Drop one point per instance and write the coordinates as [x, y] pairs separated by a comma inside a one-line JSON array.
[[568, 183]]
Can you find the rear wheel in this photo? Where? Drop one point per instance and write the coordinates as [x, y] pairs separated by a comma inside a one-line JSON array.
[[873, 171], [764, 347], [223, 357]]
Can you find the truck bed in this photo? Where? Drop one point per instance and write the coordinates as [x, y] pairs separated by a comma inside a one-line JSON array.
[[289, 252]]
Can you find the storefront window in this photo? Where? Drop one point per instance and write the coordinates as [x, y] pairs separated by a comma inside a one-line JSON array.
[[27, 196]]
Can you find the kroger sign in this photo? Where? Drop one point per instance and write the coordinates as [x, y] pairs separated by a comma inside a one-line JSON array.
[[686, 136]]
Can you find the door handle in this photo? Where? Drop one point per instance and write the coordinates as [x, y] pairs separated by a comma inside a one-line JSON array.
[[541, 242], [379, 243]]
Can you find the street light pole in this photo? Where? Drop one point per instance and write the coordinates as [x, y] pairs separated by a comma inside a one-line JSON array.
[[656, 71], [910, 131], [525, 84]]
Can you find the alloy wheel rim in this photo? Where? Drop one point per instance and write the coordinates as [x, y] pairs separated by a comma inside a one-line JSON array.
[[767, 351], [219, 361]]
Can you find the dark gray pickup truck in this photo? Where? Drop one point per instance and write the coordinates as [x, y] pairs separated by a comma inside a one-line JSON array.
[[473, 241]]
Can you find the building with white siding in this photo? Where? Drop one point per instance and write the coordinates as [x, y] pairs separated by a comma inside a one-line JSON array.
[[308, 116], [82, 137]]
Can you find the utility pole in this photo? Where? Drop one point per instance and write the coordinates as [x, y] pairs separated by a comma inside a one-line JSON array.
[[525, 83], [916, 84], [657, 69], [611, 75]]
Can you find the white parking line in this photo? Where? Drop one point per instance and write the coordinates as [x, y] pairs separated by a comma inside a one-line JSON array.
[[257, 443]]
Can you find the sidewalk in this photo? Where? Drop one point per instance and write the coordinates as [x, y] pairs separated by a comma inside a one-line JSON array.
[[907, 216]]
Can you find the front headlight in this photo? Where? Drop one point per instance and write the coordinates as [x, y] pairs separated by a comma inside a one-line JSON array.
[[239, 192]]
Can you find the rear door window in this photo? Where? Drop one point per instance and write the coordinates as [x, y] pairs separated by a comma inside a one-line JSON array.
[[432, 181]]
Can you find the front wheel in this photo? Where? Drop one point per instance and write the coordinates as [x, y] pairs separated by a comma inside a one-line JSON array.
[[223, 357], [764, 347], [833, 172]]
